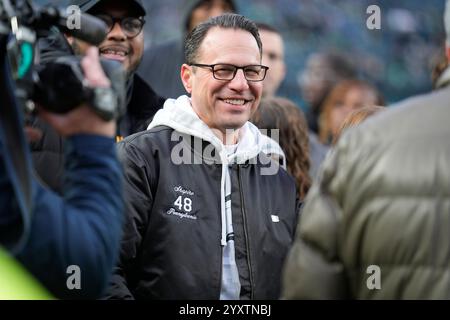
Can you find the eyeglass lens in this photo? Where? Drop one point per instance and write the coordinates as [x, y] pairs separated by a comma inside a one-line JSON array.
[[131, 26], [228, 72]]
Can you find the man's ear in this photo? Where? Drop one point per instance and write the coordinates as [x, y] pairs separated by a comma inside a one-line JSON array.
[[447, 51], [186, 77]]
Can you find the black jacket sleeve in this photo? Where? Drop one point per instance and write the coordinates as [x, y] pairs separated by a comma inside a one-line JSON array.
[[138, 201]]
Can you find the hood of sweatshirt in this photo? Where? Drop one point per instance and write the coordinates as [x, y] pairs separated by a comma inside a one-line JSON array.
[[179, 115]]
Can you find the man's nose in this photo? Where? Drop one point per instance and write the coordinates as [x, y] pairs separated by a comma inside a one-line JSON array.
[[117, 32], [239, 82]]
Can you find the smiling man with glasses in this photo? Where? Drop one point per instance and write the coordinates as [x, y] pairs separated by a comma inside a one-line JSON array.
[[125, 39], [213, 222], [124, 43], [227, 72]]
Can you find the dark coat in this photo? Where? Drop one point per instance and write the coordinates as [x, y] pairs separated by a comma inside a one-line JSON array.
[[176, 253]]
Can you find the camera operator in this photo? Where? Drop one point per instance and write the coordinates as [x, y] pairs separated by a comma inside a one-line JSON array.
[[82, 229]]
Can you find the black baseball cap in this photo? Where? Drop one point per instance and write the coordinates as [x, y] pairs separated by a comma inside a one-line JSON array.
[[86, 5]]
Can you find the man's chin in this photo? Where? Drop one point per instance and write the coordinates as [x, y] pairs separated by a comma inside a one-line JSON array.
[[234, 125], [125, 64]]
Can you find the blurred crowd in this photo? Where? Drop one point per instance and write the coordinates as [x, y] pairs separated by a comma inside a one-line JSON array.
[[398, 59]]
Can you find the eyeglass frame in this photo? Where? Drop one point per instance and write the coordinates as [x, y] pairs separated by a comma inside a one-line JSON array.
[[211, 66], [120, 20]]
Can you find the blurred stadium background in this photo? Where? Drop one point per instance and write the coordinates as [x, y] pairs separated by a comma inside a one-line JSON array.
[[397, 59]]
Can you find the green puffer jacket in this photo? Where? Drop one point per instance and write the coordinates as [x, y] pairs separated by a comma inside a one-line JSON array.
[[383, 200]]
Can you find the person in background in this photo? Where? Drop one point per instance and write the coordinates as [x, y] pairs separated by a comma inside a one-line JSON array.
[[376, 224], [215, 219], [322, 72], [124, 43], [284, 115], [345, 97], [161, 64], [356, 117], [273, 57]]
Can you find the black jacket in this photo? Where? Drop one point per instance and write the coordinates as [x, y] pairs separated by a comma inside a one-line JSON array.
[[48, 154], [176, 253]]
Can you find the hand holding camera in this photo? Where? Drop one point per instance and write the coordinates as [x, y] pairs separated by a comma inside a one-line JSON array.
[[85, 118], [61, 85]]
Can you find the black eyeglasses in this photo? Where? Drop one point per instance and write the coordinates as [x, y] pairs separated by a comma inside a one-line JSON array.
[[131, 26], [227, 72]]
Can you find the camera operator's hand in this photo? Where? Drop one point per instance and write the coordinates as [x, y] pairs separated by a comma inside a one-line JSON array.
[[83, 120]]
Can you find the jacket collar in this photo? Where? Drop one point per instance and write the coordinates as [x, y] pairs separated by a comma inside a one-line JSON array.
[[179, 115]]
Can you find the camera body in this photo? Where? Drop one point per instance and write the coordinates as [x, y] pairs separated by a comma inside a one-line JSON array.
[[58, 84], [59, 87]]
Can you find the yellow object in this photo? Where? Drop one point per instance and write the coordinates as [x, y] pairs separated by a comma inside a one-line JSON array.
[[16, 283]]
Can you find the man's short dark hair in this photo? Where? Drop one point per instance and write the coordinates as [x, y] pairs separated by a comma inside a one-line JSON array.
[[266, 27], [225, 21]]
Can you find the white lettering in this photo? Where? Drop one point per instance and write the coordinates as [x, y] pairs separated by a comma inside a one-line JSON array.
[[74, 18], [183, 151], [374, 21], [374, 281], [196, 310], [172, 211], [74, 281], [181, 190]]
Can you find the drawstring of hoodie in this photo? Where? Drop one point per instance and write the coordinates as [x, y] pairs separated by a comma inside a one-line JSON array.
[[223, 158]]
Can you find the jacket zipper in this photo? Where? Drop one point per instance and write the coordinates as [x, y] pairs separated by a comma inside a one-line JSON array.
[[249, 263]]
